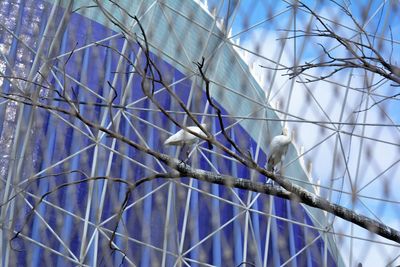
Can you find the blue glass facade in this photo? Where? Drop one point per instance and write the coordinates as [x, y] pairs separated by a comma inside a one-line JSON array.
[[167, 221]]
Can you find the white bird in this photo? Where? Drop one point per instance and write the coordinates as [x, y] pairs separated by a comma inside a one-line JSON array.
[[183, 137], [278, 148]]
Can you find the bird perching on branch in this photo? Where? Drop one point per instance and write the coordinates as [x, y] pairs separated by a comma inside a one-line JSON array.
[[278, 148], [184, 138]]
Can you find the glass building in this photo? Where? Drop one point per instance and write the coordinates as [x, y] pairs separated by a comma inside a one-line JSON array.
[[81, 56]]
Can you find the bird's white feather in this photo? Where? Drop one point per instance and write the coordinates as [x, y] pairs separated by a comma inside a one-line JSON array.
[[278, 148], [183, 137]]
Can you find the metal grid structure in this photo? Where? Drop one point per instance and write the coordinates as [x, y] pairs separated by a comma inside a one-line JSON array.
[[79, 48]]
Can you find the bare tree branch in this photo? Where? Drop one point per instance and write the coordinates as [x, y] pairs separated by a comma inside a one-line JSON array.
[[151, 75], [290, 191], [375, 63]]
